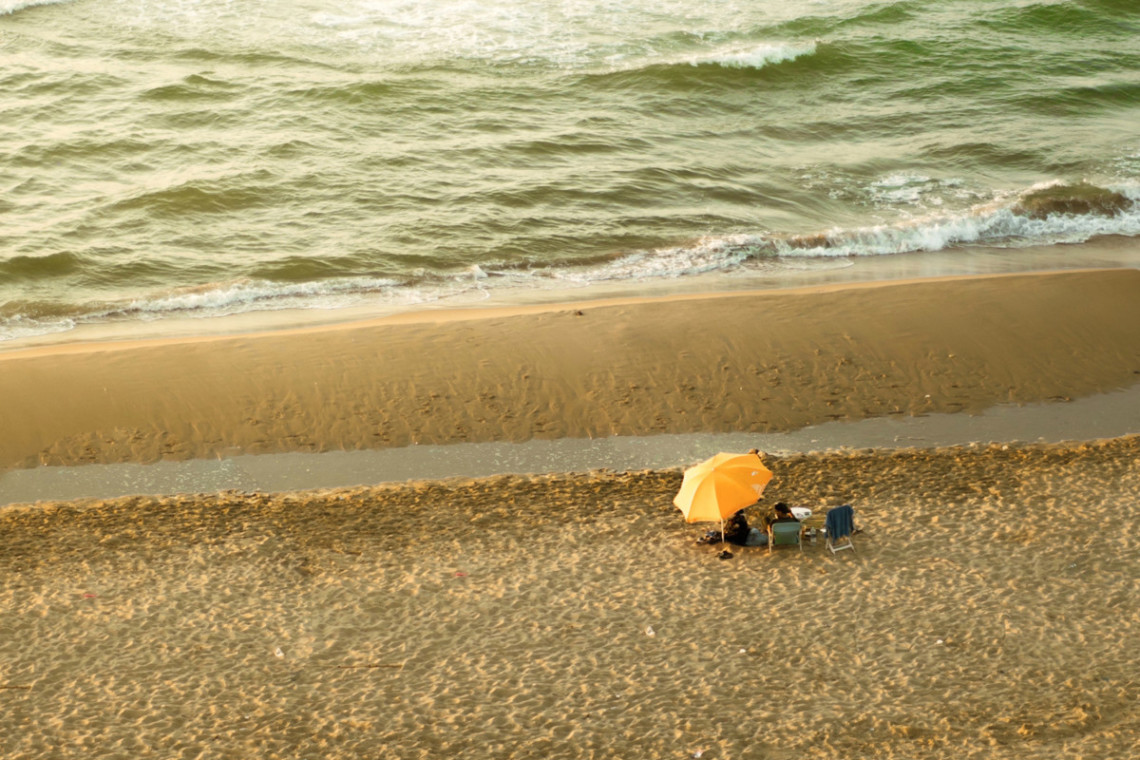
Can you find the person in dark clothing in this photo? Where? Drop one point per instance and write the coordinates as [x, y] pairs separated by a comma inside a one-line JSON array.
[[783, 513], [736, 529]]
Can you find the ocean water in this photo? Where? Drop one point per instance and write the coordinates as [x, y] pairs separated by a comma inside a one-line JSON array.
[[166, 159]]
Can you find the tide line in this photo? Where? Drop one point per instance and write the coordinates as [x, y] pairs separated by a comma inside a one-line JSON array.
[[1108, 415]]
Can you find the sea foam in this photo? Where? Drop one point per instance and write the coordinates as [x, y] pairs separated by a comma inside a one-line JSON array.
[[755, 57], [1019, 220], [1046, 214], [8, 7]]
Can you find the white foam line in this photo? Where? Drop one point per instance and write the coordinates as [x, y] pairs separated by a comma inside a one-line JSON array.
[[994, 223], [755, 57], [8, 8]]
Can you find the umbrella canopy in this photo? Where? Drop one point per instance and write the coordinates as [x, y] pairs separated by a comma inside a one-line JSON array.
[[719, 487]]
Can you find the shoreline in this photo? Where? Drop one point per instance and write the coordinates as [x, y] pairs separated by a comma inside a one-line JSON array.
[[756, 362], [1103, 252]]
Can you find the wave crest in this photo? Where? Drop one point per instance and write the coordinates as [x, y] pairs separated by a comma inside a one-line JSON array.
[[30, 268], [1044, 214], [9, 7], [755, 57], [199, 196], [1081, 199], [696, 71]]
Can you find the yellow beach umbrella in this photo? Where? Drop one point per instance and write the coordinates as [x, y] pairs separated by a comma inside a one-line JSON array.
[[719, 487]]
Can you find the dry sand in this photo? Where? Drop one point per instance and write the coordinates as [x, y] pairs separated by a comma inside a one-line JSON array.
[[989, 611], [753, 362]]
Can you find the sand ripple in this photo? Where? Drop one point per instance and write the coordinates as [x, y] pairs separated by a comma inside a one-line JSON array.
[[989, 612]]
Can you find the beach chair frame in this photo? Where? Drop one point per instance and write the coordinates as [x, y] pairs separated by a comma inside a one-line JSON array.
[[785, 534], [843, 518], [839, 544]]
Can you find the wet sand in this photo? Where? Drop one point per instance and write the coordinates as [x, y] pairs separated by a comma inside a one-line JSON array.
[[753, 362]]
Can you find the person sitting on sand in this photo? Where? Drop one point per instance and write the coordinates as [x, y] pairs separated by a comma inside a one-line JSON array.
[[736, 529]]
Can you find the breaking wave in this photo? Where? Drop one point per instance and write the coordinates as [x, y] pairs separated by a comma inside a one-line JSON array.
[[9, 7], [1044, 214], [754, 56]]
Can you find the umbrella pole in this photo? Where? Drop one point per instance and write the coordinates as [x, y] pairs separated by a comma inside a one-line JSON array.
[[722, 530]]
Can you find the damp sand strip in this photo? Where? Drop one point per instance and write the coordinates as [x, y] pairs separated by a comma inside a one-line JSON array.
[[1103, 416]]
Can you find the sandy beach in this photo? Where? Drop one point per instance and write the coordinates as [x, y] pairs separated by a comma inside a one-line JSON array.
[[987, 613], [742, 362], [352, 355]]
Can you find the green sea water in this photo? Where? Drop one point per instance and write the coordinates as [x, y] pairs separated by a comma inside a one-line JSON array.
[[174, 158]]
